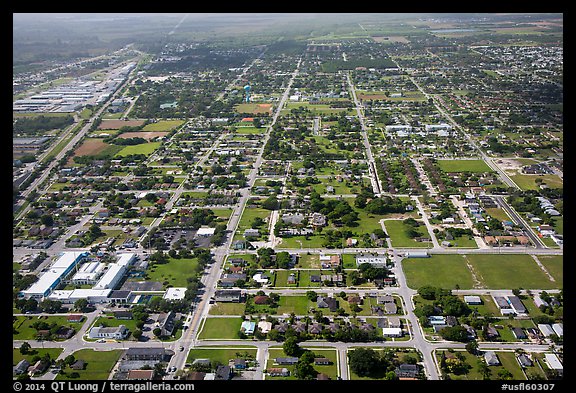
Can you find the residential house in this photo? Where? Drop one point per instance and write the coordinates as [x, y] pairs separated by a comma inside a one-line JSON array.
[[383, 299], [286, 360], [264, 326], [519, 333], [406, 371], [558, 329], [248, 327], [491, 358], [315, 328], [376, 260], [38, 368], [278, 372], [517, 305], [473, 300], [322, 361], [390, 308], [148, 354], [327, 302], [166, 323], [228, 296], [21, 367], [223, 373], [546, 329], [239, 364], [524, 360]]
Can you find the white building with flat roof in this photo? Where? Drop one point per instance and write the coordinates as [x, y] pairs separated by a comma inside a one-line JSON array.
[[112, 276], [88, 274], [392, 332], [55, 274], [174, 293]]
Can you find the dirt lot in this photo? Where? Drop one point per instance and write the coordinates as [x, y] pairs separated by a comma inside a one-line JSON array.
[[90, 147], [116, 124], [508, 165]]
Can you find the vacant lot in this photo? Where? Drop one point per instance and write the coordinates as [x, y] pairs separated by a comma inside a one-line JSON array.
[[143, 134], [475, 166], [220, 328], [509, 271], [175, 272], [163, 125], [91, 147], [99, 364], [444, 271], [143, 148], [116, 124], [222, 355], [253, 108]]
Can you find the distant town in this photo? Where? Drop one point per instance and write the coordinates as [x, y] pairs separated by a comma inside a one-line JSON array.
[[366, 197]]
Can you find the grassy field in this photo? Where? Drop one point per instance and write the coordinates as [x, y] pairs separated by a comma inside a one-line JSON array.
[[222, 355], [528, 182], [507, 360], [143, 148], [227, 309], [17, 356], [299, 305], [498, 213], [443, 271], [398, 353], [23, 325], [396, 229], [475, 166], [163, 125], [220, 328], [509, 271], [313, 241], [554, 264], [331, 370], [174, 273], [98, 364], [250, 130]]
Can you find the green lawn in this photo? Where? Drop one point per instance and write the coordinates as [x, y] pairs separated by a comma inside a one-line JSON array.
[[554, 264], [509, 271], [313, 241], [220, 328], [498, 213], [331, 370], [109, 321], [175, 272], [17, 356], [528, 182], [99, 364], [398, 353], [396, 229], [23, 325], [143, 148], [299, 305], [349, 261], [222, 355], [227, 309], [443, 271], [250, 130], [475, 166], [163, 125]]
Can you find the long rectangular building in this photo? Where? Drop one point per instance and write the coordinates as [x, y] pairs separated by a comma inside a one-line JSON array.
[[55, 274]]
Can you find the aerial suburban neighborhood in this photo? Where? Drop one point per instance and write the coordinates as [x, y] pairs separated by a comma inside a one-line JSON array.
[[366, 197]]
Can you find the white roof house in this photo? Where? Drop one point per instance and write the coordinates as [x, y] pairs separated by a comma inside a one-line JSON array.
[[392, 332], [539, 302], [265, 326], [546, 329], [558, 329], [553, 361]]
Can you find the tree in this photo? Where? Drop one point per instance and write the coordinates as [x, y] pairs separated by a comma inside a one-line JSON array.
[[157, 332], [454, 333], [81, 304], [472, 347], [69, 360], [291, 347], [364, 361], [137, 334], [25, 348], [504, 374], [484, 369], [311, 295]]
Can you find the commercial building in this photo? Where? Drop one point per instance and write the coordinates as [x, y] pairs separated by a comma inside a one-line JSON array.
[[55, 274], [117, 332]]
